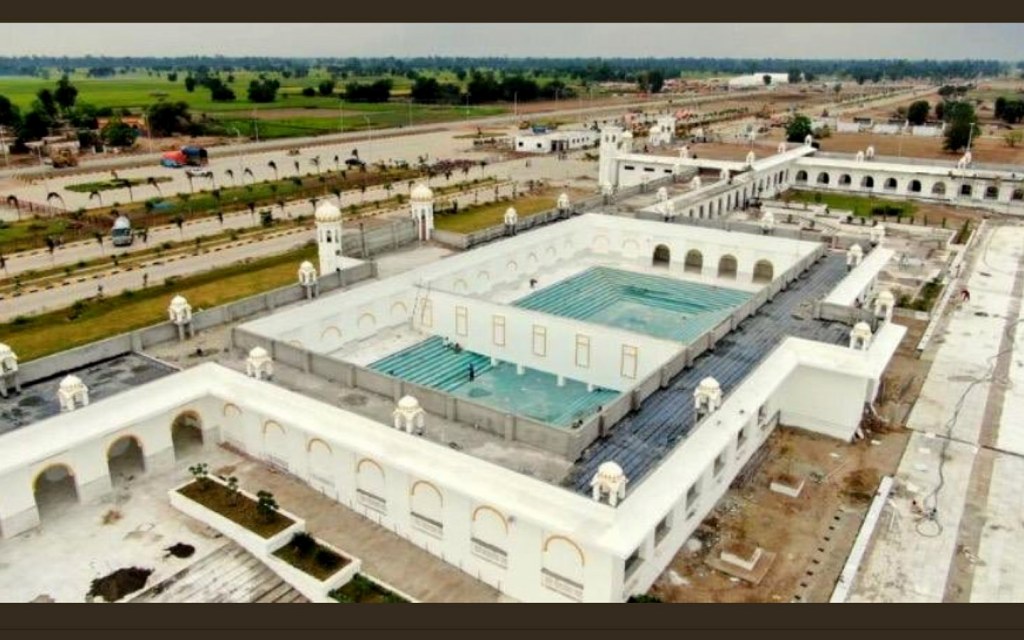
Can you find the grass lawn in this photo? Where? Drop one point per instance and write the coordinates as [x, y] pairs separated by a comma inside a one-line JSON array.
[[361, 590], [107, 185], [14, 233], [88, 321], [859, 205], [475, 218], [310, 557], [235, 507]]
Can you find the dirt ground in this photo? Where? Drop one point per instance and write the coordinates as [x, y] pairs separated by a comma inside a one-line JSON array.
[[812, 534]]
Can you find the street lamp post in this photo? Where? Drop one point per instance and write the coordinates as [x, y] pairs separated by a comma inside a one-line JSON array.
[[241, 156], [369, 134]]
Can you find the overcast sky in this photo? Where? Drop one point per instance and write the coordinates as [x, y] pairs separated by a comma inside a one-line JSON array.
[[943, 41]]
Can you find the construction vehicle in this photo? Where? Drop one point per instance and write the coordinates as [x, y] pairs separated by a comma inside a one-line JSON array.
[[186, 157], [61, 156]]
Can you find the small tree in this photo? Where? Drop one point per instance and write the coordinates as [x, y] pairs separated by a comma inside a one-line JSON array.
[[201, 473], [1014, 138], [767, 79], [179, 221], [798, 128], [266, 505]]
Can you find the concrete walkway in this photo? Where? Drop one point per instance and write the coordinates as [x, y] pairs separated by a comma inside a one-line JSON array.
[[965, 457]]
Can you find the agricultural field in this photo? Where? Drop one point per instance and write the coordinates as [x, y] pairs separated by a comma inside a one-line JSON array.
[[290, 115]]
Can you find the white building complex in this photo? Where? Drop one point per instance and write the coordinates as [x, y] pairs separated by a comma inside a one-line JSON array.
[[655, 358]]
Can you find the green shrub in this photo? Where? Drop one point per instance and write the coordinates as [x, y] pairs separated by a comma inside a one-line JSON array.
[[303, 543], [327, 559]]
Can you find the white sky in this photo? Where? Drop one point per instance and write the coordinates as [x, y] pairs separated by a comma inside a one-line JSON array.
[[940, 41]]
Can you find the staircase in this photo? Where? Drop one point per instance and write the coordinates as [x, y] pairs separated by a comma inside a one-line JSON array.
[[229, 574], [431, 364]]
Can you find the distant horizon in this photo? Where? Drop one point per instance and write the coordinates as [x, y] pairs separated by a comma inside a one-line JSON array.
[[743, 41]]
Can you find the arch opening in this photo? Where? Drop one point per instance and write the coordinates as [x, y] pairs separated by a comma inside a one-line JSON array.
[[727, 267], [187, 434], [54, 490], [662, 256], [694, 261], [125, 459]]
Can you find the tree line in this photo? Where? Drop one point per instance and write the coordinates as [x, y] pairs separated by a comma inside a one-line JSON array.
[[589, 69]]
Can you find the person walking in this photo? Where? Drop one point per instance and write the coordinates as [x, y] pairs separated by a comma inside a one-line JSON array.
[[472, 372]]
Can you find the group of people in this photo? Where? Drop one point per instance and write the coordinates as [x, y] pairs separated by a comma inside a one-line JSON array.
[[454, 346]]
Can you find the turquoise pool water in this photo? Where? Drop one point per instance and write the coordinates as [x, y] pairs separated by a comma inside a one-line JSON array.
[[534, 394], [661, 307]]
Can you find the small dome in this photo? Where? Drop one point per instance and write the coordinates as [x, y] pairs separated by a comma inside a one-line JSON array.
[[421, 193], [662, 193], [511, 213], [856, 250], [306, 265], [628, 135], [408, 403], [886, 297], [70, 382], [768, 218], [610, 471], [327, 212], [862, 330], [5, 351], [709, 385], [179, 302], [258, 353]]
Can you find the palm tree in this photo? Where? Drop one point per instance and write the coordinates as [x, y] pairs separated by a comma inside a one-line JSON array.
[[273, 165], [315, 161], [53, 194], [252, 210], [313, 202], [231, 174], [179, 220], [151, 181], [465, 171], [98, 235], [447, 174], [248, 172], [220, 217], [191, 187], [337, 164], [337, 194], [281, 204], [128, 185], [388, 187], [483, 165], [362, 190], [92, 194], [298, 171]]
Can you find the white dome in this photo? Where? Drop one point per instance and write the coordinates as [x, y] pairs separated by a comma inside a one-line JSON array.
[[421, 192], [856, 250], [408, 403], [5, 351], [327, 212], [861, 330], [179, 302], [306, 265], [258, 353], [662, 193], [886, 297], [709, 385], [628, 135], [609, 471], [70, 382], [511, 213]]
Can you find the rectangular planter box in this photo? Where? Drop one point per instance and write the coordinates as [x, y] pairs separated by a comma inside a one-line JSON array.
[[250, 541], [309, 586]]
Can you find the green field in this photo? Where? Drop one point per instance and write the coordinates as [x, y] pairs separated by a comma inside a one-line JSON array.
[[859, 205], [92, 320], [479, 217]]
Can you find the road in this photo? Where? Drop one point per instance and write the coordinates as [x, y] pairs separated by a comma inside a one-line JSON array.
[[59, 297], [117, 279], [549, 168]]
